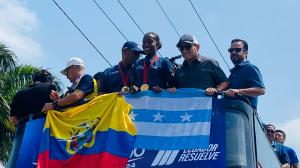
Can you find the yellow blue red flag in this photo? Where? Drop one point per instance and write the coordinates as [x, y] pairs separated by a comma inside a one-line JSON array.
[[97, 134]]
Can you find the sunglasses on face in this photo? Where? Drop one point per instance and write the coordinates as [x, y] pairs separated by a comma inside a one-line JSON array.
[[185, 47], [270, 131], [237, 50]]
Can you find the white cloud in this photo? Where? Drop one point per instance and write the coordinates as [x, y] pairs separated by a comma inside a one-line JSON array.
[[16, 26]]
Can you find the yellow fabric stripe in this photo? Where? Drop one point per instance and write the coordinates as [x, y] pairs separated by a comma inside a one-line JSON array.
[[111, 110], [94, 93]]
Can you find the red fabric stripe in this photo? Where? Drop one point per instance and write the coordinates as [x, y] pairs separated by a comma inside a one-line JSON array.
[[101, 160]]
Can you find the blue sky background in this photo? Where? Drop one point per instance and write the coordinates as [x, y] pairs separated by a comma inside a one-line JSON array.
[[42, 36]]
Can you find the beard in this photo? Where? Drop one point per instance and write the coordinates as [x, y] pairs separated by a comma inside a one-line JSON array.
[[236, 59]]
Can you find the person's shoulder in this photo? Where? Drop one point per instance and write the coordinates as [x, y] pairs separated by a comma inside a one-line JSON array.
[[112, 68], [109, 70], [164, 60], [20, 92], [248, 64], [281, 147], [290, 150], [43, 84], [208, 60], [86, 77], [250, 67]]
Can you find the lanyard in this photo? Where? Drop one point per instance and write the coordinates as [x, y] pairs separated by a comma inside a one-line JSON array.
[[147, 68], [124, 79]]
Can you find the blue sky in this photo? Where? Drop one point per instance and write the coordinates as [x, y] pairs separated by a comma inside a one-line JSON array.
[[42, 36]]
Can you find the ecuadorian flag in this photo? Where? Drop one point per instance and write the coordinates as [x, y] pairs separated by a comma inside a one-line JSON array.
[[97, 134]]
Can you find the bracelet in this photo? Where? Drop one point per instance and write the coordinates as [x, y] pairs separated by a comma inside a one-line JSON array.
[[55, 105]]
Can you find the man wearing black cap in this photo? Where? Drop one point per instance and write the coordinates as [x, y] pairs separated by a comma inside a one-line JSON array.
[[198, 71], [119, 77]]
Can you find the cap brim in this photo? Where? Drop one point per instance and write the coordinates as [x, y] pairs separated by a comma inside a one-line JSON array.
[[64, 71], [137, 50], [181, 42]]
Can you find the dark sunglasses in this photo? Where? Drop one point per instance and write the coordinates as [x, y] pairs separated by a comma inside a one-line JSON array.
[[270, 131], [237, 50], [185, 47]]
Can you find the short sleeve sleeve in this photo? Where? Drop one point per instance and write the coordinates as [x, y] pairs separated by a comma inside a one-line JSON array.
[[86, 84], [218, 73], [254, 77]]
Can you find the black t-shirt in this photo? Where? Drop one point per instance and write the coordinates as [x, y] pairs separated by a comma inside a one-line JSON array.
[[202, 74], [31, 99]]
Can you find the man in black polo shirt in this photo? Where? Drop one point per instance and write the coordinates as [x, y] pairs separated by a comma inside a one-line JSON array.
[[198, 71], [26, 104]]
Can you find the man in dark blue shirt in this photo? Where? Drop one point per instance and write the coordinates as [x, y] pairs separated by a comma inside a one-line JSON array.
[[83, 88], [121, 75], [278, 148], [280, 138], [245, 78]]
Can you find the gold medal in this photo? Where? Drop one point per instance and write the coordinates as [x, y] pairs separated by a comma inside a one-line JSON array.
[[144, 87], [125, 89]]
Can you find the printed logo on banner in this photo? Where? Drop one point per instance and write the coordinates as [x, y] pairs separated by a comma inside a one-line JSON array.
[[165, 157], [190, 155], [173, 158], [136, 155]]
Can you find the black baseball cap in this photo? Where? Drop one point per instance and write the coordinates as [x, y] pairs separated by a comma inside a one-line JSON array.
[[187, 38], [133, 46]]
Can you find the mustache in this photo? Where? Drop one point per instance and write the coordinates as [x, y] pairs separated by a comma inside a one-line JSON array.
[[234, 55]]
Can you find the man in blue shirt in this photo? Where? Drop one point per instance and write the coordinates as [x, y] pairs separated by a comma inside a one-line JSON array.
[[280, 138], [245, 78], [83, 88], [278, 148], [119, 76]]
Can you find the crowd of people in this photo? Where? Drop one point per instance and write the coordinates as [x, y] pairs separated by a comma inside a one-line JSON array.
[[133, 74]]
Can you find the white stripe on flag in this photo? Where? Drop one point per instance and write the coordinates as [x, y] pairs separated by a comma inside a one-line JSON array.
[[171, 129], [171, 104]]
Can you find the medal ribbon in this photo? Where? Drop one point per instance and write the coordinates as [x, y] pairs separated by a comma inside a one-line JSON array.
[[147, 68], [124, 79]]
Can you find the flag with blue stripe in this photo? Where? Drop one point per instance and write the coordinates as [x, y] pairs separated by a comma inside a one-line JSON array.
[[184, 129], [168, 121]]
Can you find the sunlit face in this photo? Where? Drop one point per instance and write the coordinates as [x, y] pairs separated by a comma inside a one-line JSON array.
[[270, 133], [150, 45], [71, 73], [237, 52], [189, 51], [129, 57], [279, 137]]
